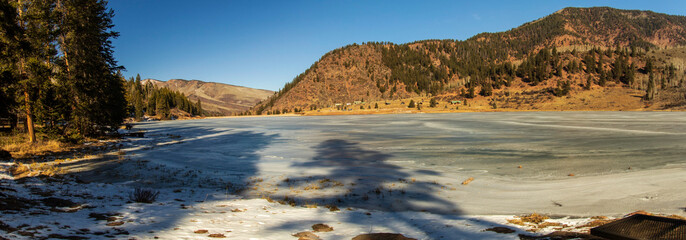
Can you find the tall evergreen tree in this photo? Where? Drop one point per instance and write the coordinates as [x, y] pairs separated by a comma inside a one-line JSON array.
[[97, 101], [650, 90], [199, 108], [35, 55], [9, 33]]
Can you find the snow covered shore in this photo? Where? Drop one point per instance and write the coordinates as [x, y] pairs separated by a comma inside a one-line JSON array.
[[243, 180], [73, 210]]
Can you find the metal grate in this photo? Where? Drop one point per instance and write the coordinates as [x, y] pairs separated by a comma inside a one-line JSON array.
[[641, 226]]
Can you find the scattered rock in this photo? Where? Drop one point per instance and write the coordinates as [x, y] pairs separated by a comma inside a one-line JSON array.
[[201, 231], [115, 223], [135, 134], [468, 181], [103, 216], [58, 236], [5, 155], [120, 231], [8, 202], [320, 227], [382, 236], [216, 235], [306, 236], [7, 228], [58, 202], [500, 230], [26, 233]]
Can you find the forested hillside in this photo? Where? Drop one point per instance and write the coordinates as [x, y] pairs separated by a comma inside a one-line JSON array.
[[57, 69], [572, 50], [150, 100], [218, 99]]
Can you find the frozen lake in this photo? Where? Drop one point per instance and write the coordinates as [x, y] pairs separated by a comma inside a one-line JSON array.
[[442, 150], [545, 144]]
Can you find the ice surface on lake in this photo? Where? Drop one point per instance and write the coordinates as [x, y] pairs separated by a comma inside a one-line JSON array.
[[545, 144], [572, 163]]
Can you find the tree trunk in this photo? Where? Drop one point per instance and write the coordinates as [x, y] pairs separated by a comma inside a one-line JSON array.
[[29, 118]]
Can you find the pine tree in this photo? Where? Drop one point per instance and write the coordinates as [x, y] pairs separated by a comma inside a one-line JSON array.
[[199, 106], [163, 108], [602, 79], [97, 93], [470, 91], [486, 90], [433, 102], [650, 91], [411, 104], [9, 32], [649, 66], [589, 82], [35, 55]]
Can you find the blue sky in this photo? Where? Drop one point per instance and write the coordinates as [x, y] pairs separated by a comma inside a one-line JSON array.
[[264, 44]]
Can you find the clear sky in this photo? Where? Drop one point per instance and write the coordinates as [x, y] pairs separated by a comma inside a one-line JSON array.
[[264, 44]]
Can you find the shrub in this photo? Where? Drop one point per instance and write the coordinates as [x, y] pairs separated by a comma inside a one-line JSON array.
[[144, 195], [433, 103]]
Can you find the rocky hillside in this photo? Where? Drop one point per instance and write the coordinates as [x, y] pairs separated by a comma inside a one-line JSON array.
[[216, 98], [563, 53]]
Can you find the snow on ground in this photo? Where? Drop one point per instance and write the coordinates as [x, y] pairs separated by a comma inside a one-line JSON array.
[[180, 213], [193, 206], [251, 179]]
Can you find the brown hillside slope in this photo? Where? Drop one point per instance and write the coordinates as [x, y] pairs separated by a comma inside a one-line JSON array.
[[217, 98], [386, 71]]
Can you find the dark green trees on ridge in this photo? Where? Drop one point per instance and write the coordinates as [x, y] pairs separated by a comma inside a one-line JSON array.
[[152, 101]]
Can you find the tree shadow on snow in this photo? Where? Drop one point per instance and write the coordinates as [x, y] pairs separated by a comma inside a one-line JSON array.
[[364, 179], [358, 178], [228, 157]]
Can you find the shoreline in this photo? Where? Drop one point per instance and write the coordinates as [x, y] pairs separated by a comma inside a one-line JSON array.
[[353, 113], [400, 111]]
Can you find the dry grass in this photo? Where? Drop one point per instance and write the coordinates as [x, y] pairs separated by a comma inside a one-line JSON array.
[[516, 221], [549, 224], [332, 208], [313, 186], [21, 170], [144, 195], [534, 218], [19, 148]]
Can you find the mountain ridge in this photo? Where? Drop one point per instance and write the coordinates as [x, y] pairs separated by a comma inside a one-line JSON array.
[[386, 71], [216, 98]]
